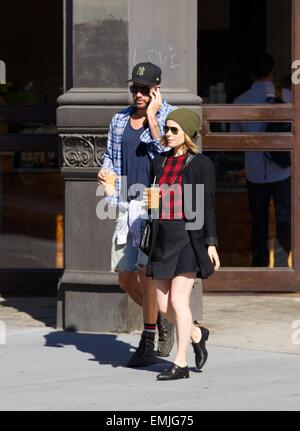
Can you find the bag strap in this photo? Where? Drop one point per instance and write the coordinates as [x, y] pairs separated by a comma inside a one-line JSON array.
[[189, 158]]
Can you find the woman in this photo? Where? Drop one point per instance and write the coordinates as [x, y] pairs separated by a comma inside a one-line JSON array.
[[182, 247]]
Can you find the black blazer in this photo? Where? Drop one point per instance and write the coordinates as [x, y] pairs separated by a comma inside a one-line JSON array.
[[200, 170]]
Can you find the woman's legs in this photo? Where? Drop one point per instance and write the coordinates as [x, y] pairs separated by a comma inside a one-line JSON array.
[[163, 292], [181, 290], [178, 291], [163, 299]]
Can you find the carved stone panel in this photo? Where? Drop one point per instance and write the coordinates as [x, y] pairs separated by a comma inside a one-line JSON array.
[[82, 151]]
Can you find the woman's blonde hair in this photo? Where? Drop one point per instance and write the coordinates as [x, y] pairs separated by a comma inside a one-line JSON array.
[[190, 145]]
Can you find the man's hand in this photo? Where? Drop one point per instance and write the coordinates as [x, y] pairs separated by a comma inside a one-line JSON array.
[[101, 177], [214, 257], [156, 102]]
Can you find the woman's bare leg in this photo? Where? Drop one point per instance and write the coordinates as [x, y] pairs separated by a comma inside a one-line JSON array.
[[181, 290], [163, 292], [163, 289]]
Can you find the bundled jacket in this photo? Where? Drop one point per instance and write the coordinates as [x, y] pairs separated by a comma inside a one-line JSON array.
[[199, 170]]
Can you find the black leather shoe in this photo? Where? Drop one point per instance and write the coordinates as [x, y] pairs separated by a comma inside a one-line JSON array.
[[174, 373], [165, 336], [144, 354], [200, 348]]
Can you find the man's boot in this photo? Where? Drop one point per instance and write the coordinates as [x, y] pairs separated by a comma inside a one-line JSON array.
[[165, 336], [144, 354]]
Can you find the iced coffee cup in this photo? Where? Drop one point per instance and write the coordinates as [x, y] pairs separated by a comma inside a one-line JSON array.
[[153, 197], [110, 183]]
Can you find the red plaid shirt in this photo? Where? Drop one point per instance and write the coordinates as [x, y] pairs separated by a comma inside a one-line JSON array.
[[172, 201]]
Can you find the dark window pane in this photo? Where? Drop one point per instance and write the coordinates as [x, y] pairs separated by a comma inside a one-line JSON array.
[[232, 35], [253, 207], [31, 210]]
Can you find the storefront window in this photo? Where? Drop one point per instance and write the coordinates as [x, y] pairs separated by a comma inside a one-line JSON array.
[[232, 35], [31, 185], [252, 127], [253, 207], [31, 210], [31, 35]]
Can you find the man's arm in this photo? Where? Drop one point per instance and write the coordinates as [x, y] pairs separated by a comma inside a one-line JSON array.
[[157, 123], [152, 110], [107, 158]]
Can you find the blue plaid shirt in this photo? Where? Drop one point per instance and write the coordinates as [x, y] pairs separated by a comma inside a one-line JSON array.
[[112, 157]]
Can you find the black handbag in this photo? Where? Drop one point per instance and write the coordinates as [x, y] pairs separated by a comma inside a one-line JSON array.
[[146, 237]]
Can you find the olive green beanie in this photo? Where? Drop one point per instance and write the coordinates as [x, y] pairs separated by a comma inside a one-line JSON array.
[[187, 119]]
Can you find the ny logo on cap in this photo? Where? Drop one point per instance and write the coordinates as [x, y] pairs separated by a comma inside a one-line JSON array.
[[141, 71]]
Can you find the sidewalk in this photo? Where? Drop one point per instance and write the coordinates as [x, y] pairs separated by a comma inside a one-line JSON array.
[[253, 363]]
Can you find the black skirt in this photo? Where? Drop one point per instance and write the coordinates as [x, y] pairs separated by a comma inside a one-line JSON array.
[[172, 254]]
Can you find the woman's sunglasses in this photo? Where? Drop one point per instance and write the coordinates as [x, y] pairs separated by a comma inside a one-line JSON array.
[[173, 130], [144, 90]]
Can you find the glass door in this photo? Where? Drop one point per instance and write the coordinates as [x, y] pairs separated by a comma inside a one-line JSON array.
[[31, 186], [250, 133]]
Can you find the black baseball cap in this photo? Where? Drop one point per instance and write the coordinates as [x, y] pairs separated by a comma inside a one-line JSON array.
[[146, 74]]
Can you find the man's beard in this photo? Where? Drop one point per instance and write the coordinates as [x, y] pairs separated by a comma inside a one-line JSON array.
[[139, 106]]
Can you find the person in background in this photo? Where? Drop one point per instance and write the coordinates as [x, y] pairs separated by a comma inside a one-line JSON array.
[[266, 179]]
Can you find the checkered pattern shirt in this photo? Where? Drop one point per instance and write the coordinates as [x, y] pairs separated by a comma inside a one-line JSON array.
[[112, 157], [171, 201]]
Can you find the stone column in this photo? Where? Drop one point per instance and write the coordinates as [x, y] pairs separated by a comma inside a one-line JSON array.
[[103, 40]]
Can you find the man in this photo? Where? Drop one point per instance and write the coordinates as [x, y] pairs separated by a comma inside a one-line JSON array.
[[133, 140], [266, 178]]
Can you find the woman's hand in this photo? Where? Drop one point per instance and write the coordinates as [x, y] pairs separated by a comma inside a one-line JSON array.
[[214, 257]]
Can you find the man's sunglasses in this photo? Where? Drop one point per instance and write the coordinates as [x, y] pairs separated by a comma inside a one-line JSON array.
[[144, 90], [173, 130]]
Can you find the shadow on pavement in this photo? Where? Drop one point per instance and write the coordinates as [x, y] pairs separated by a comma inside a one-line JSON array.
[[105, 348], [41, 309]]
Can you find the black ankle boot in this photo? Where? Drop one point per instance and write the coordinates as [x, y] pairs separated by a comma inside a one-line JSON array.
[[144, 354], [200, 350], [165, 336], [174, 373]]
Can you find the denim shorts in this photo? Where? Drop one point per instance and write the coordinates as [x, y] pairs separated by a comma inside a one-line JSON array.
[[126, 257]]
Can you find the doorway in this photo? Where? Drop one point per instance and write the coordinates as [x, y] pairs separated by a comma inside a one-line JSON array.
[[231, 34], [31, 187]]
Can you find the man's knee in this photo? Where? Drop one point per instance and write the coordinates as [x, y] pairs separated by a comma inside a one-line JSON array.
[[129, 281]]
